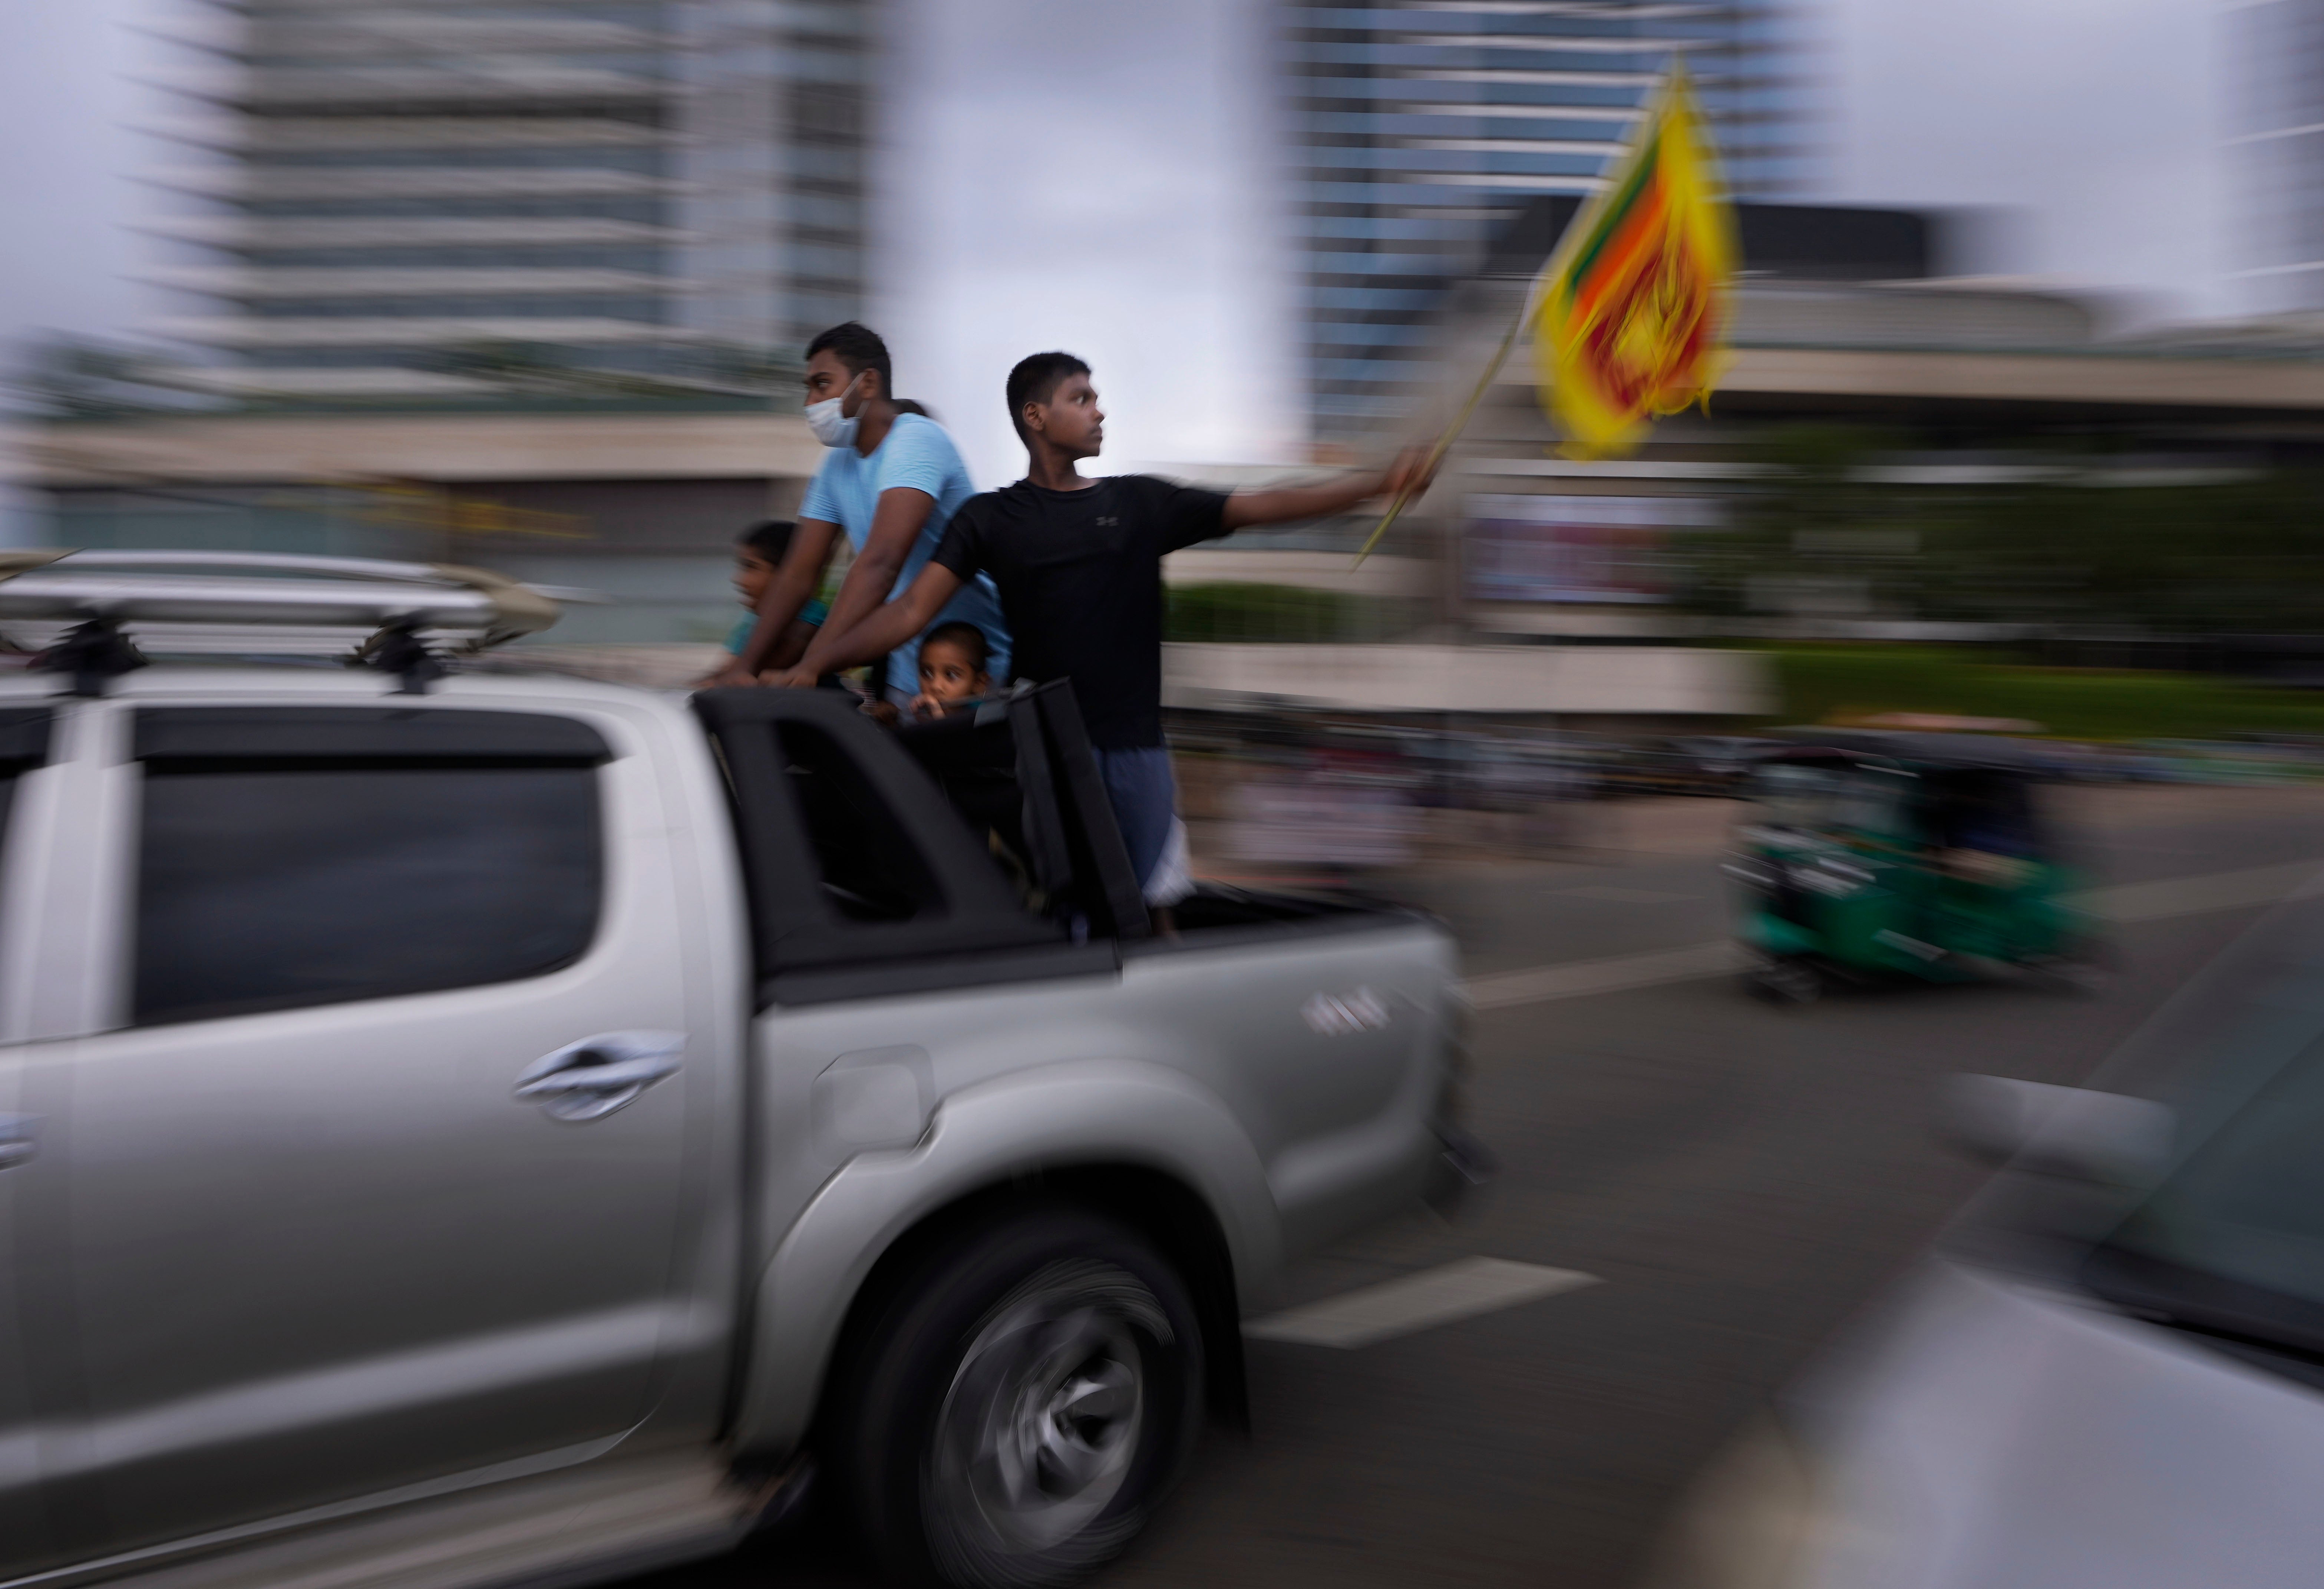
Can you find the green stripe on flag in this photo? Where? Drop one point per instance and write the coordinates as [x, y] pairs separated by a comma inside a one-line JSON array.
[[1610, 219]]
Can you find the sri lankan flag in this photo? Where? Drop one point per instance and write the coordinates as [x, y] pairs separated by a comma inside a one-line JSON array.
[[1631, 312]]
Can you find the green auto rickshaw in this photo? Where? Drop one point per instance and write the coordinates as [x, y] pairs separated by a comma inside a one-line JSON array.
[[1869, 854]]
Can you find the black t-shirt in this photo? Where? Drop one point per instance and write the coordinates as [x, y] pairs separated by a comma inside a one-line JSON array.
[[1080, 574]]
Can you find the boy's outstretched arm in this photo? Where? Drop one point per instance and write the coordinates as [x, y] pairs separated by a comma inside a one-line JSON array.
[[1411, 469], [888, 627]]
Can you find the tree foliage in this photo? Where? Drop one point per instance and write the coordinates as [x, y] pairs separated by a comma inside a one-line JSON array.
[[2045, 540]]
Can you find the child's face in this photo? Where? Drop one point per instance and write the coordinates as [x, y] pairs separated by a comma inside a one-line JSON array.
[[752, 573], [947, 674]]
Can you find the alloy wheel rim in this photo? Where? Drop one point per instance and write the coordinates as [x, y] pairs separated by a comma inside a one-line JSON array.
[[1042, 1424]]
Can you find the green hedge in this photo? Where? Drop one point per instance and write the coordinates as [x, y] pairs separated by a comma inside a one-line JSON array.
[[1819, 683], [1280, 613]]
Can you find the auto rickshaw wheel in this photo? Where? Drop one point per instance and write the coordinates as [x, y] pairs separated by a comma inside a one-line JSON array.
[[1786, 980], [2087, 969]]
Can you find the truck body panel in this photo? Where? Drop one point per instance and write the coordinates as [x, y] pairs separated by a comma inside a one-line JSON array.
[[280, 1265]]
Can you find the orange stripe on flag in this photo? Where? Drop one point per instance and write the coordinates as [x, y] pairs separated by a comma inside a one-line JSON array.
[[1642, 232]]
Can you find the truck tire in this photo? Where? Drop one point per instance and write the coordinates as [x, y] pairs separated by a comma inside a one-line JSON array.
[[1023, 1404]]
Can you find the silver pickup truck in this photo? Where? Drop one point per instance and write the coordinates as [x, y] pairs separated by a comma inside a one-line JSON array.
[[503, 1128]]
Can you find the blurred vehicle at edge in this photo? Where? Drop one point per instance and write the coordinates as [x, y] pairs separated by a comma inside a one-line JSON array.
[[2106, 1372]]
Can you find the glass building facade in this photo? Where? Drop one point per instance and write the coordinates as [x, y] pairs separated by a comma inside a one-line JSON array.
[[1422, 127], [2275, 108], [429, 197]]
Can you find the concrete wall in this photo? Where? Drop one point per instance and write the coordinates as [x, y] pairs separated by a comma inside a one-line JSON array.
[[642, 507], [1306, 570], [442, 447], [1625, 681]]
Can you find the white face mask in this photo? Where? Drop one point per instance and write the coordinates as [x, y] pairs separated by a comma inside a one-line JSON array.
[[831, 427]]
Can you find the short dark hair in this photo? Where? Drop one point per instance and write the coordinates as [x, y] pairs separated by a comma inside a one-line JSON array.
[[770, 538], [1036, 380], [859, 347], [966, 635], [911, 405]]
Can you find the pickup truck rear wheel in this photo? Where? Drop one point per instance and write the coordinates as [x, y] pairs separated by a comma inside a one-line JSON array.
[[1026, 1403]]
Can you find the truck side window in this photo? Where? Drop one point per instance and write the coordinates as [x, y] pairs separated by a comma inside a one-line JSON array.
[[274, 888], [8, 780], [871, 867]]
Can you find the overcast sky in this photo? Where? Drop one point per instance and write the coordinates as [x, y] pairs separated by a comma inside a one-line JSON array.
[[1096, 176], [2099, 120], [1099, 175]]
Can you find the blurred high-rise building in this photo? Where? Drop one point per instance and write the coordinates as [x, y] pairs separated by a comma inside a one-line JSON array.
[[2275, 130], [1422, 127], [408, 198], [520, 283]]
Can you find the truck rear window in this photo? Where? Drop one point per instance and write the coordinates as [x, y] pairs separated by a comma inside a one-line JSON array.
[[869, 863]]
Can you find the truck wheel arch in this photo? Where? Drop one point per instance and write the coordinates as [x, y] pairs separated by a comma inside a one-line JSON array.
[[1140, 1143]]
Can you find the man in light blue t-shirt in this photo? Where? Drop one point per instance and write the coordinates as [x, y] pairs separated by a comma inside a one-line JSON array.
[[890, 483]]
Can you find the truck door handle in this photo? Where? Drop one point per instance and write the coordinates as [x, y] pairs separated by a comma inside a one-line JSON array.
[[592, 1078], [19, 1143]]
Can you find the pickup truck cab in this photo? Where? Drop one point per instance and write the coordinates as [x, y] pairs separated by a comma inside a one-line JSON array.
[[498, 1127]]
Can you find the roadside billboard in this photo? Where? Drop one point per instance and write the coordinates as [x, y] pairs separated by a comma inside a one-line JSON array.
[[1576, 549]]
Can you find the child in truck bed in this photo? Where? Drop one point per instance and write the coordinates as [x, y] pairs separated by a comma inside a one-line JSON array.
[[758, 552], [954, 659]]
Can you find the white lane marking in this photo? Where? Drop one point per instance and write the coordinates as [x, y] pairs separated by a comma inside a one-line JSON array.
[[2191, 896], [2132, 902], [1623, 896], [1457, 1290]]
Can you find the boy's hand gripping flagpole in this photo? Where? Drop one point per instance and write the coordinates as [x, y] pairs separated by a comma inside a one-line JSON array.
[[1452, 431]]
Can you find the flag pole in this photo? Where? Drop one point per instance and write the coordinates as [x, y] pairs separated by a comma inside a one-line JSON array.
[[1452, 431]]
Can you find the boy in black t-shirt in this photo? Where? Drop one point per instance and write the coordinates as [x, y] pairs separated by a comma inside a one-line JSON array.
[[1078, 563]]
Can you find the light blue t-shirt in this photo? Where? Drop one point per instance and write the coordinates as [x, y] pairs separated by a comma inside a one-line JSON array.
[[914, 453]]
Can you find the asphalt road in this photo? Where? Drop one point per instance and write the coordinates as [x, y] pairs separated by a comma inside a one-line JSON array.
[[1740, 1178]]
